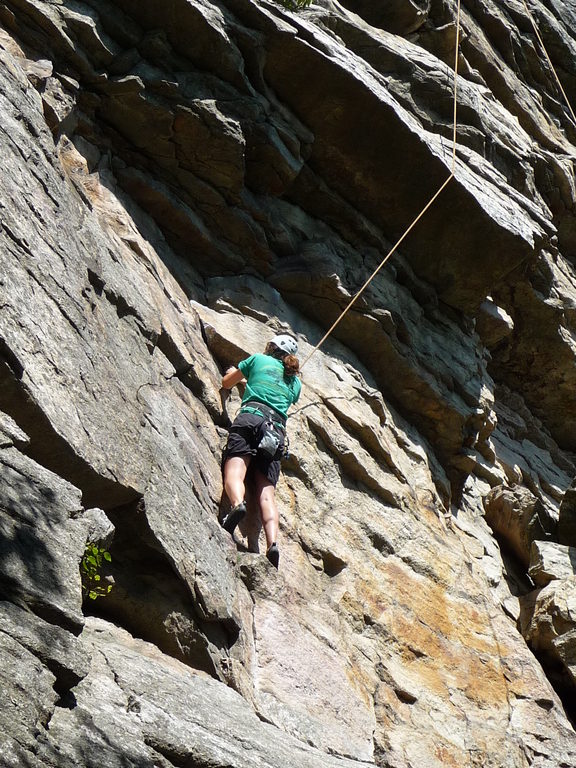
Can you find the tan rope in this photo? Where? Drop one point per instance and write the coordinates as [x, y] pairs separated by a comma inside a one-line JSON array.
[[422, 212], [531, 17], [378, 268], [454, 120]]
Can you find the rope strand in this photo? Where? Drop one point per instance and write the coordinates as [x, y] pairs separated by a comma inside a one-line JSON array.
[[451, 176], [378, 268], [549, 60], [454, 121], [422, 212]]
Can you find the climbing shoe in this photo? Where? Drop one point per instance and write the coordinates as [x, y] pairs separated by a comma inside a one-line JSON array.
[[233, 517], [273, 555]]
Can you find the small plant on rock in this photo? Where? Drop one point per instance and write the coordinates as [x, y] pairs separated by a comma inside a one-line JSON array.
[[295, 5], [90, 571]]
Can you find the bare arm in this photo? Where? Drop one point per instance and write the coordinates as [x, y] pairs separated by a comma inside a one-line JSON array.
[[232, 377]]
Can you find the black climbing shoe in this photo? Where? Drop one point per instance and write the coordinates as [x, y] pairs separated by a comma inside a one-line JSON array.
[[273, 555], [233, 517]]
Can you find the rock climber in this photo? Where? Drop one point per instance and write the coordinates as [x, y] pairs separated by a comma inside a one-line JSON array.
[[257, 435]]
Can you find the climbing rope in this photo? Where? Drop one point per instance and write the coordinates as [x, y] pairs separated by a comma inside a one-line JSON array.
[[548, 59], [422, 212], [454, 118]]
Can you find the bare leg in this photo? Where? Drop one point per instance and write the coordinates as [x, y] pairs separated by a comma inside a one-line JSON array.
[[268, 509], [252, 526], [235, 470]]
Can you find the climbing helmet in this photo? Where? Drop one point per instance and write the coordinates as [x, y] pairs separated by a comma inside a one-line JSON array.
[[286, 343]]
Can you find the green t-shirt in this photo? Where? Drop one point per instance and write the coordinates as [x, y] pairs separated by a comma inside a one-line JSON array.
[[266, 383]]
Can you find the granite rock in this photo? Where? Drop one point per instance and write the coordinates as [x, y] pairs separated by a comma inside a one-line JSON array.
[[184, 179]]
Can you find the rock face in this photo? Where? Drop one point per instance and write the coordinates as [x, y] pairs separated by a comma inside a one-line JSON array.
[[181, 179]]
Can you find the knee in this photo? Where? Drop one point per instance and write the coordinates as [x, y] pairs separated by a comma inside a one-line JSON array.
[[267, 496]]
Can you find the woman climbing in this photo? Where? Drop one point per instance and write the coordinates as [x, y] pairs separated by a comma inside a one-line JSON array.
[[257, 434]]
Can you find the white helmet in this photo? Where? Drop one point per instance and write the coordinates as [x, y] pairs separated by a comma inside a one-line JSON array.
[[286, 343]]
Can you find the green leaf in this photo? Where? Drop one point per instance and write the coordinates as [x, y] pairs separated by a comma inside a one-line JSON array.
[[90, 565]]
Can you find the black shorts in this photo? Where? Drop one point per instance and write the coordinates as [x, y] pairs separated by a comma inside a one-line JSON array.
[[243, 438]]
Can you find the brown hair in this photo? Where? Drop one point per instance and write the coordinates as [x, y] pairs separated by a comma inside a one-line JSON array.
[[291, 362], [291, 365]]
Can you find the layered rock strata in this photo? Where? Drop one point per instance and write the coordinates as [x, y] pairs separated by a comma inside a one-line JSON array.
[[181, 180]]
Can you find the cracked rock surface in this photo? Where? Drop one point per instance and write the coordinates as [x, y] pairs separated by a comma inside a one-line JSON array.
[[181, 180]]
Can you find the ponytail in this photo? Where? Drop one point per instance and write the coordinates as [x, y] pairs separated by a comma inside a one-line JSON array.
[[291, 365], [290, 362]]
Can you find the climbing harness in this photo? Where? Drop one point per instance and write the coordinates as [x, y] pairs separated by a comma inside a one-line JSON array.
[[261, 409], [272, 432], [422, 212]]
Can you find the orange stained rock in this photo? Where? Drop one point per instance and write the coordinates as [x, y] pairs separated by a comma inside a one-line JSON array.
[[444, 642], [448, 757], [362, 683]]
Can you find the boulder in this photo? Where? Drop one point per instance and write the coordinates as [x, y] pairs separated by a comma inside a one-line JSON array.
[[518, 518], [550, 561], [493, 323], [548, 622]]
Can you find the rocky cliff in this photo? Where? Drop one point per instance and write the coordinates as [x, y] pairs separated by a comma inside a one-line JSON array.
[[181, 179]]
